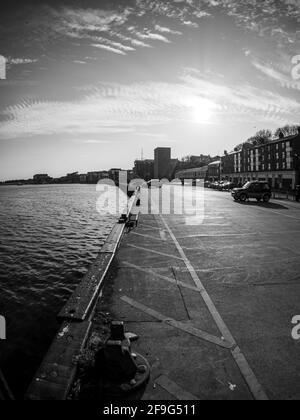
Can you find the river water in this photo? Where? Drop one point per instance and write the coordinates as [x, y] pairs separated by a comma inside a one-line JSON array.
[[49, 236]]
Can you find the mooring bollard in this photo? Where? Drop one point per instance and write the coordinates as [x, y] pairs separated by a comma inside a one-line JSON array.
[[120, 369]]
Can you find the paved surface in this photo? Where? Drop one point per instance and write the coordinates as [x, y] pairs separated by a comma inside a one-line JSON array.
[[213, 301]]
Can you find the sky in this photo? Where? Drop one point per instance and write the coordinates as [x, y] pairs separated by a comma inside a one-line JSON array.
[[91, 84]]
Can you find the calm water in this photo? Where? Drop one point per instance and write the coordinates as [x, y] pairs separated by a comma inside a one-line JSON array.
[[49, 235]]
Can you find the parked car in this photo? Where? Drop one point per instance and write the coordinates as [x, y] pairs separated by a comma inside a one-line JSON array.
[[215, 185], [259, 190], [227, 186]]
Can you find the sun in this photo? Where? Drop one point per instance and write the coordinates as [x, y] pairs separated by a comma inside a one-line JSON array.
[[201, 110], [202, 114]]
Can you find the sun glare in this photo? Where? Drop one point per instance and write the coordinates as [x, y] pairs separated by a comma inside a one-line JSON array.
[[202, 110]]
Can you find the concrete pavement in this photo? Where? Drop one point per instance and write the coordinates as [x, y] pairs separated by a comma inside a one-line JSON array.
[[212, 302]]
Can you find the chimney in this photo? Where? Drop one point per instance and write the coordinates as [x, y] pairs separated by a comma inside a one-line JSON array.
[[281, 135]]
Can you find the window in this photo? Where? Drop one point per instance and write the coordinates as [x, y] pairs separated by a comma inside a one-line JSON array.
[[266, 187]]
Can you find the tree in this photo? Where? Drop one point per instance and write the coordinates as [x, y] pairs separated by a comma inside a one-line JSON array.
[[287, 130], [261, 137]]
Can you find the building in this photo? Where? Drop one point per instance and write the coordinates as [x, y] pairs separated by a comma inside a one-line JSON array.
[[213, 171], [144, 169], [72, 178], [94, 177], [193, 173], [276, 162], [162, 162], [114, 174], [82, 178], [201, 160], [41, 179]]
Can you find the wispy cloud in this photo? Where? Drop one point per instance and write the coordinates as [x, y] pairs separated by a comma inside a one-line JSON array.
[[165, 30], [284, 80], [91, 24], [132, 41], [18, 61], [108, 48], [148, 35], [116, 108]]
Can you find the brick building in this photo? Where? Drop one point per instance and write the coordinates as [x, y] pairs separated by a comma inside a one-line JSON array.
[[276, 162], [213, 171], [144, 169], [193, 173], [162, 162]]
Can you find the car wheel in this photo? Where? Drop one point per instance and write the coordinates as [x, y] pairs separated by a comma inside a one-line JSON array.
[[243, 198], [266, 198]]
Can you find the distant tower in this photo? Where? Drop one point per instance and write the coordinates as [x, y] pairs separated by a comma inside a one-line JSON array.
[[162, 162]]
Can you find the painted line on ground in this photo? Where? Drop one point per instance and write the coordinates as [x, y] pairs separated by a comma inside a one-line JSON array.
[[278, 212], [248, 374], [265, 209], [173, 389], [203, 335], [160, 276], [154, 252], [145, 226], [220, 235], [146, 236]]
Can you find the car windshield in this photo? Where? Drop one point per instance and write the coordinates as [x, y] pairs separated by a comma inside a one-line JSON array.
[[247, 185]]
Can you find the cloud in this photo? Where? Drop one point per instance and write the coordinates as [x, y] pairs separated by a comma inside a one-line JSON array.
[[108, 48], [116, 108], [90, 19], [20, 61], [276, 67], [184, 11], [163, 29], [147, 35], [245, 102], [133, 41], [189, 23]]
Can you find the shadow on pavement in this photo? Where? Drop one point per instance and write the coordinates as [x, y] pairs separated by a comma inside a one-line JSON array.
[[265, 205]]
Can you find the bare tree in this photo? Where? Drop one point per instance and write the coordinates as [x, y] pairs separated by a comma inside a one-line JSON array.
[[287, 130]]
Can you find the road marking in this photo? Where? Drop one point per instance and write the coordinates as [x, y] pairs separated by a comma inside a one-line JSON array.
[[142, 226], [160, 276], [147, 236], [277, 212], [266, 209], [220, 235], [173, 389], [203, 335], [154, 252], [249, 376]]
